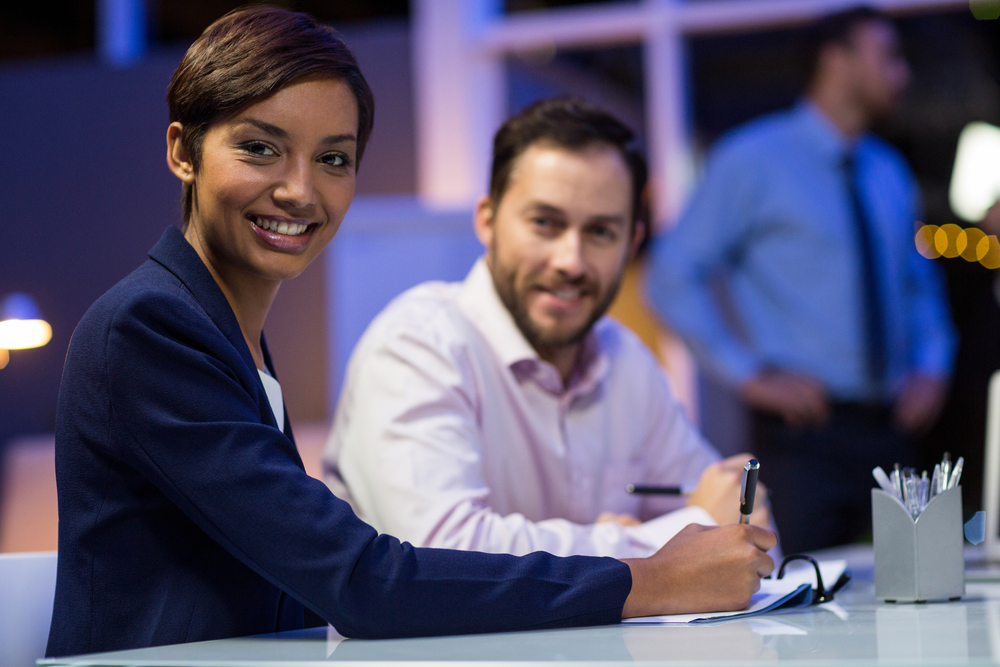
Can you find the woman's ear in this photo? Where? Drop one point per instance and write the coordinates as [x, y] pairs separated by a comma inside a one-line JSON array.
[[178, 158]]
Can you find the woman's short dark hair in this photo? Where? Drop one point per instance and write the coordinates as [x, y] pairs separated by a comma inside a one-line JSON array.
[[248, 55], [564, 122]]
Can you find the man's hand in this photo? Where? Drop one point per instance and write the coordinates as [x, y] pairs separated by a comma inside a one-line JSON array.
[[920, 403], [621, 519], [718, 493], [700, 570], [799, 399]]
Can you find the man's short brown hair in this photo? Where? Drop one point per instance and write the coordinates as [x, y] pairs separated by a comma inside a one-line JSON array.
[[564, 122]]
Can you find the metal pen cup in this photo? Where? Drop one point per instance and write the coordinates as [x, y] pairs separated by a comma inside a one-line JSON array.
[[922, 559]]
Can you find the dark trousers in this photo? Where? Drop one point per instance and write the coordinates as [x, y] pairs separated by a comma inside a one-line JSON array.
[[819, 479]]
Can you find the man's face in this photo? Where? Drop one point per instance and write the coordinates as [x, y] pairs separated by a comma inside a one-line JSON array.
[[878, 71], [558, 240]]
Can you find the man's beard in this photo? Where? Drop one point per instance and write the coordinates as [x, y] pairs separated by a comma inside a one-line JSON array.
[[539, 339]]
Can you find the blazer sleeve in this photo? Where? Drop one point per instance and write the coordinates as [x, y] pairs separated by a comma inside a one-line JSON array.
[[183, 416]]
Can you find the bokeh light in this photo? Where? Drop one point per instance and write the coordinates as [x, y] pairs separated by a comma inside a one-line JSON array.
[[24, 334], [946, 240], [985, 10], [4, 358], [972, 244], [975, 178], [989, 252], [972, 235], [925, 241]]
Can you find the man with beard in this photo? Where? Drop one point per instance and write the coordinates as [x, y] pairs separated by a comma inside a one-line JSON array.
[[836, 334], [505, 413]]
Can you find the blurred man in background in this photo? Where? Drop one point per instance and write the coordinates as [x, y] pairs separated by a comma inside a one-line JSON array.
[[793, 275], [505, 413]]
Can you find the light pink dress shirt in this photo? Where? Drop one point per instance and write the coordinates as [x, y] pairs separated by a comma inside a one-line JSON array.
[[452, 432]]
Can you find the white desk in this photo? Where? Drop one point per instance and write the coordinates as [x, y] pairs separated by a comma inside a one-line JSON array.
[[854, 629]]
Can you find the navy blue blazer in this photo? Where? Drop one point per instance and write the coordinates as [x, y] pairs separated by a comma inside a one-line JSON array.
[[186, 515]]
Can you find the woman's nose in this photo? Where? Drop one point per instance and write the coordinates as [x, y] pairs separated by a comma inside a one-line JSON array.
[[296, 189]]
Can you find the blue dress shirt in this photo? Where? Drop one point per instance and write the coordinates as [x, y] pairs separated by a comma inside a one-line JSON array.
[[773, 221], [185, 514]]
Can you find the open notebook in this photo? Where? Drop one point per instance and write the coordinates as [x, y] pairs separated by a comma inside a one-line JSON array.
[[791, 591]]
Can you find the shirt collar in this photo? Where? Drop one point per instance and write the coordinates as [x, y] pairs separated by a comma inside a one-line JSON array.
[[479, 301], [824, 134]]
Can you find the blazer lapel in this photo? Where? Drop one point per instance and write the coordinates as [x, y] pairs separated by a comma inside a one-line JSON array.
[[177, 256]]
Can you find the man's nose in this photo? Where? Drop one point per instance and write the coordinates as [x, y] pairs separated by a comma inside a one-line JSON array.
[[567, 255]]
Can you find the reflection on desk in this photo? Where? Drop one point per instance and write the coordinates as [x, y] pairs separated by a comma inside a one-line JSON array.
[[853, 629]]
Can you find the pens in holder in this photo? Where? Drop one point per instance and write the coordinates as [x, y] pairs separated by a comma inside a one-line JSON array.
[[749, 489], [884, 481], [913, 492], [956, 473], [945, 470]]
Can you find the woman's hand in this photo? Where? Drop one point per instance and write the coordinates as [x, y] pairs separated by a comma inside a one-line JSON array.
[[701, 569]]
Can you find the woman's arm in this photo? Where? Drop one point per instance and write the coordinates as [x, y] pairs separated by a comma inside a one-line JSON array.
[[185, 412]]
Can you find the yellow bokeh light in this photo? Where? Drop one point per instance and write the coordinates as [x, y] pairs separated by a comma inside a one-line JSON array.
[[946, 240], [988, 251], [24, 334], [972, 235], [925, 241], [4, 358]]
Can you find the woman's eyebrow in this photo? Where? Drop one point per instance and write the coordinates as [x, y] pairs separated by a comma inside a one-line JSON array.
[[276, 131], [339, 138], [273, 130]]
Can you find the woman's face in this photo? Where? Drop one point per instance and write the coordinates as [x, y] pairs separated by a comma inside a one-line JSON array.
[[274, 182]]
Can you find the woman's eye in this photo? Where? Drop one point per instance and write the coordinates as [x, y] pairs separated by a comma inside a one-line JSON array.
[[335, 160], [258, 148]]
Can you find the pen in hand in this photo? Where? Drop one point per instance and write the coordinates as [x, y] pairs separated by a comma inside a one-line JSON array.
[[748, 490]]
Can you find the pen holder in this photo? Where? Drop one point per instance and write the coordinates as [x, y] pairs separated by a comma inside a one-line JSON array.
[[922, 559]]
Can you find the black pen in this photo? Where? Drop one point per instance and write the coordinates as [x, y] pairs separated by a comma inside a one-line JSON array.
[[749, 489], [651, 490]]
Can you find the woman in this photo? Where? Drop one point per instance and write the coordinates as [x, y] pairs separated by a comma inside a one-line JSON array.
[[185, 513]]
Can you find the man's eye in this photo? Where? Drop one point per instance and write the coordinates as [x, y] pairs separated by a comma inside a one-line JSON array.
[[604, 233], [258, 148]]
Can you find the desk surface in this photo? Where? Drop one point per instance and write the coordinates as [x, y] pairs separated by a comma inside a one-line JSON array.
[[854, 629]]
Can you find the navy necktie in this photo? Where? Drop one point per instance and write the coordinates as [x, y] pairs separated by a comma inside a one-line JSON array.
[[874, 321]]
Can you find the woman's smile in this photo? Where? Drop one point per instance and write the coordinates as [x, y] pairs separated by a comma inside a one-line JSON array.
[[283, 234], [280, 227]]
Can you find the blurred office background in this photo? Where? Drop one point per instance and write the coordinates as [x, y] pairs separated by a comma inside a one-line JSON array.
[[87, 192]]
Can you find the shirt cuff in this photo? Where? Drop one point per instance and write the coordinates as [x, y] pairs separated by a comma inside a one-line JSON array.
[[657, 532]]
